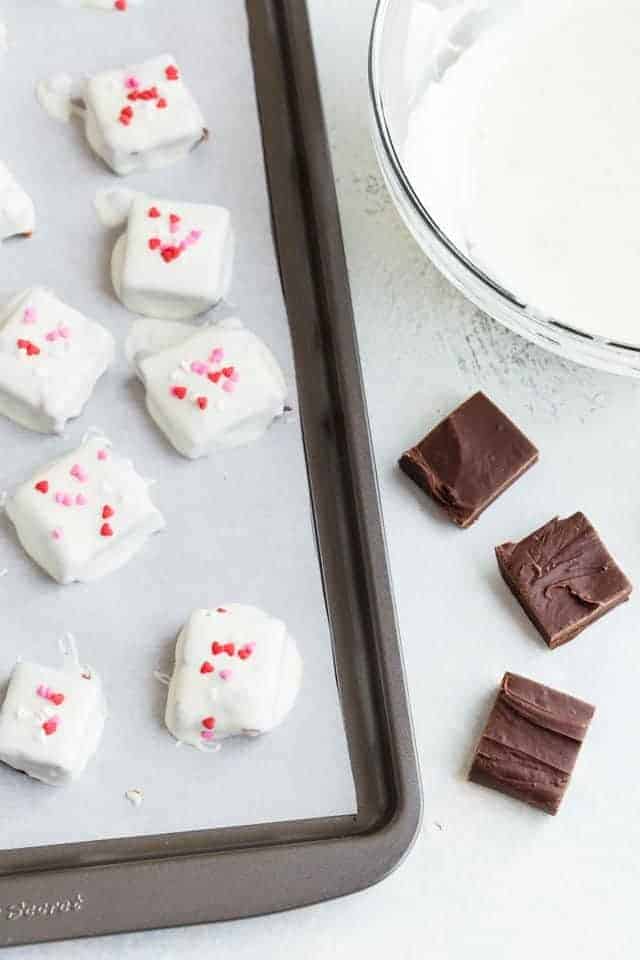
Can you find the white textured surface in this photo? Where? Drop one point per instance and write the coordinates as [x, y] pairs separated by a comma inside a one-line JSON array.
[[487, 878]]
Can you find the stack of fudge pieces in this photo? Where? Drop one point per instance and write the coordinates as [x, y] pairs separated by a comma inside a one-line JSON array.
[[562, 575]]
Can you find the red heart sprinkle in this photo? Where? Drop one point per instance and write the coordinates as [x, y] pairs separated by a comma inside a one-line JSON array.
[[161, 104], [228, 371], [221, 610], [105, 530], [120, 5], [32, 350], [209, 722], [49, 727], [134, 95], [230, 648], [170, 253], [154, 243], [179, 392], [174, 218], [244, 654], [214, 377], [207, 667], [216, 648], [154, 212], [107, 512], [172, 73], [203, 403], [42, 486], [127, 111], [154, 92], [57, 698], [22, 344]]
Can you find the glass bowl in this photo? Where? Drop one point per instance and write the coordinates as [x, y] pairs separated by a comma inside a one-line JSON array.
[[393, 56]]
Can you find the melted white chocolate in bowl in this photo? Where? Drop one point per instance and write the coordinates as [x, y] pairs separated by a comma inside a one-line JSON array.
[[524, 146]]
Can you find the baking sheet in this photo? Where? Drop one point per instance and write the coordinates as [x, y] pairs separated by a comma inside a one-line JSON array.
[[239, 526]]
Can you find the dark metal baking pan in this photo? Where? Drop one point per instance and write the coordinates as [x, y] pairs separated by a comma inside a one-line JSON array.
[[85, 889]]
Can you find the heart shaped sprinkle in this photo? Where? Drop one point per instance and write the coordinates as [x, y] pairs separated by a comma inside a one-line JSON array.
[[179, 392], [230, 648], [172, 72], [81, 500], [214, 377], [203, 403], [209, 722], [121, 5], [154, 243], [106, 530], [226, 674], [161, 104], [154, 213], [107, 512], [56, 534], [42, 486], [228, 386], [207, 667], [57, 698], [102, 454], [50, 726], [30, 315], [244, 654], [217, 355], [221, 610], [217, 648], [228, 372], [207, 734]]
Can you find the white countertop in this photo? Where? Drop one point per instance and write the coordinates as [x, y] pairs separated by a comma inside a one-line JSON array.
[[487, 875]]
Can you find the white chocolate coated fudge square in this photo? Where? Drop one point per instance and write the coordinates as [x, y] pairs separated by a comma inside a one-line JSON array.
[[51, 721], [84, 515], [17, 214], [218, 387], [142, 117], [237, 672], [175, 260], [51, 357]]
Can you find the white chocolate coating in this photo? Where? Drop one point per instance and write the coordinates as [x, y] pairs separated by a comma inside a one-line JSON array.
[[51, 357], [144, 133], [51, 721], [17, 213], [150, 278], [233, 386], [84, 515], [252, 686], [106, 5]]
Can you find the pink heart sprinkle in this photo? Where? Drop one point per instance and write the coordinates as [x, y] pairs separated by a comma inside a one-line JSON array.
[[225, 674], [195, 235], [30, 315], [217, 355], [81, 500], [131, 83], [207, 734], [198, 367], [102, 454], [60, 498], [43, 691], [250, 647], [235, 376], [64, 332], [57, 533], [228, 386], [51, 336], [79, 474], [174, 227], [183, 245]]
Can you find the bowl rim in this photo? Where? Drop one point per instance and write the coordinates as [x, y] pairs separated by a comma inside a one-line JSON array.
[[569, 342], [379, 113]]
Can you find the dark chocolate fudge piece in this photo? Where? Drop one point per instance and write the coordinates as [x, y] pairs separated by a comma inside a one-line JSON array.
[[531, 742], [564, 577], [469, 459]]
